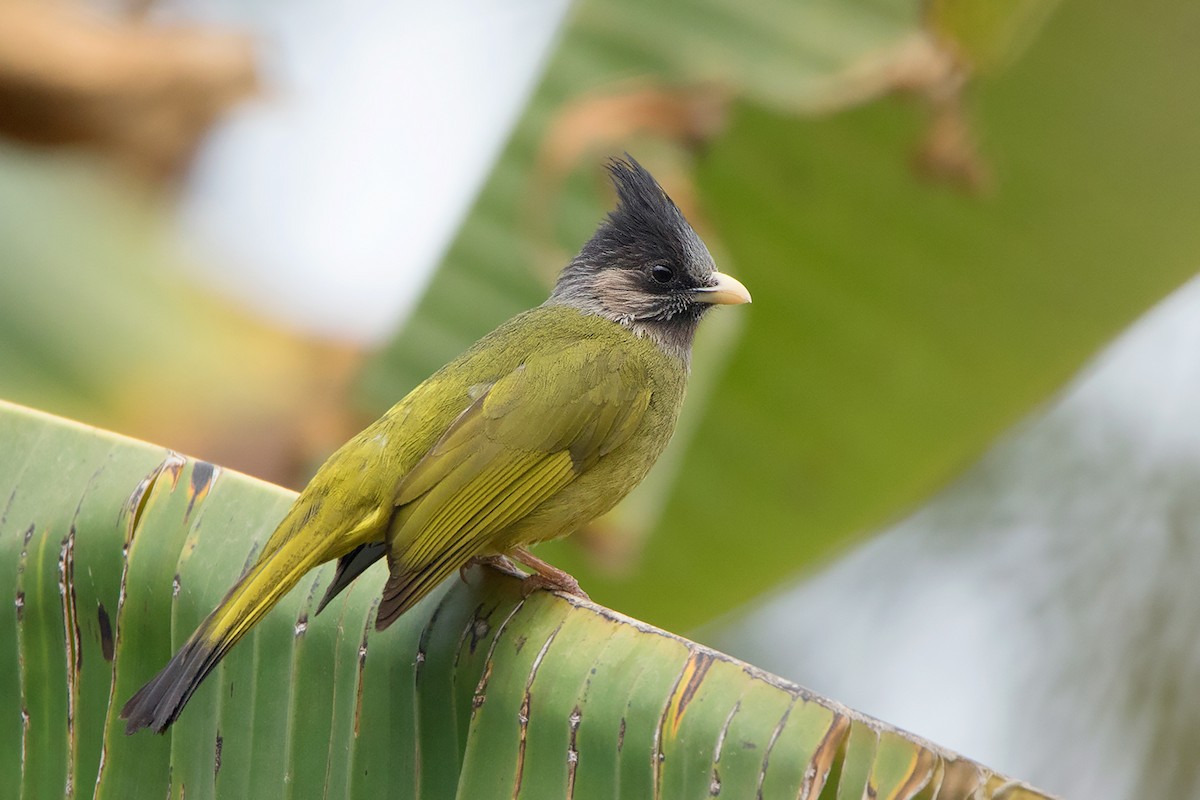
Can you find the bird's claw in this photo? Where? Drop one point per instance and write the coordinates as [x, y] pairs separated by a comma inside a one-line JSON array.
[[499, 562], [546, 576], [564, 583]]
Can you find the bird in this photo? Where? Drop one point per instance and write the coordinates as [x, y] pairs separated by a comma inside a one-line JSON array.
[[539, 427]]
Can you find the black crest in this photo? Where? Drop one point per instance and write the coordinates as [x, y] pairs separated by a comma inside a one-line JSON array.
[[646, 226]]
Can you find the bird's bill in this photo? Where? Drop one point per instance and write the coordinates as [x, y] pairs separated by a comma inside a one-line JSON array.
[[727, 291]]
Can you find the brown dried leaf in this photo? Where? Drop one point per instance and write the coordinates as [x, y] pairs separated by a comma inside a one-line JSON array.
[[140, 94]]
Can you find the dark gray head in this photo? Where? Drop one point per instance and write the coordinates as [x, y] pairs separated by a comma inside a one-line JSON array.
[[645, 267]]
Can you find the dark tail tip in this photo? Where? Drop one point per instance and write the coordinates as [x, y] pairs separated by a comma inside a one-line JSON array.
[[159, 703]]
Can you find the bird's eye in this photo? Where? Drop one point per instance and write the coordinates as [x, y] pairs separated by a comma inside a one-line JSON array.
[[662, 273]]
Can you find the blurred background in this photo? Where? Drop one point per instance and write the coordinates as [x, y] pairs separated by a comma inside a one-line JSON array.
[[942, 470]]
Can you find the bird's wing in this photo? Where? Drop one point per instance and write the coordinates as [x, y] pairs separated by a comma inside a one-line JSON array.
[[525, 438]]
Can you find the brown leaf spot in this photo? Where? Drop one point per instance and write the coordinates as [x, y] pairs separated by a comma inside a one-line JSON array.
[[106, 632], [204, 475]]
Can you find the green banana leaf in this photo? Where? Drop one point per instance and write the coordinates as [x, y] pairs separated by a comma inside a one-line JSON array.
[[112, 550], [899, 324]]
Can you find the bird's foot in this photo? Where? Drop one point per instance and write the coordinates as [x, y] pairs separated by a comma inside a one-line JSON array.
[[546, 576], [499, 562]]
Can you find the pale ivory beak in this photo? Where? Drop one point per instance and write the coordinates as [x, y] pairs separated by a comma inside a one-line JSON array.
[[727, 291]]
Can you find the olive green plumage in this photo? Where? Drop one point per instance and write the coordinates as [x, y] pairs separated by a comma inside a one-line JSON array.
[[542, 425], [518, 466]]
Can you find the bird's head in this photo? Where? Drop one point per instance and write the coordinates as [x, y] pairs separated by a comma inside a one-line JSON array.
[[645, 267]]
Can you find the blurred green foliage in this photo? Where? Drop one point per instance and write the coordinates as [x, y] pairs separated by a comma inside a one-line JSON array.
[[988, 34], [899, 325], [102, 320]]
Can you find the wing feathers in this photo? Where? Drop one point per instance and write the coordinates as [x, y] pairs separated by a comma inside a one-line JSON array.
[[522, 441], [406, 587]]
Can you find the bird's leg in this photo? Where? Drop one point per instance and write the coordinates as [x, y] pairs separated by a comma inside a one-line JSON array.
[[499, 562], [546, 576]]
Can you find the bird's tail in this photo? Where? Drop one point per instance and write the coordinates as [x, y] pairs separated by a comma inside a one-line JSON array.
[[157, 704]]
